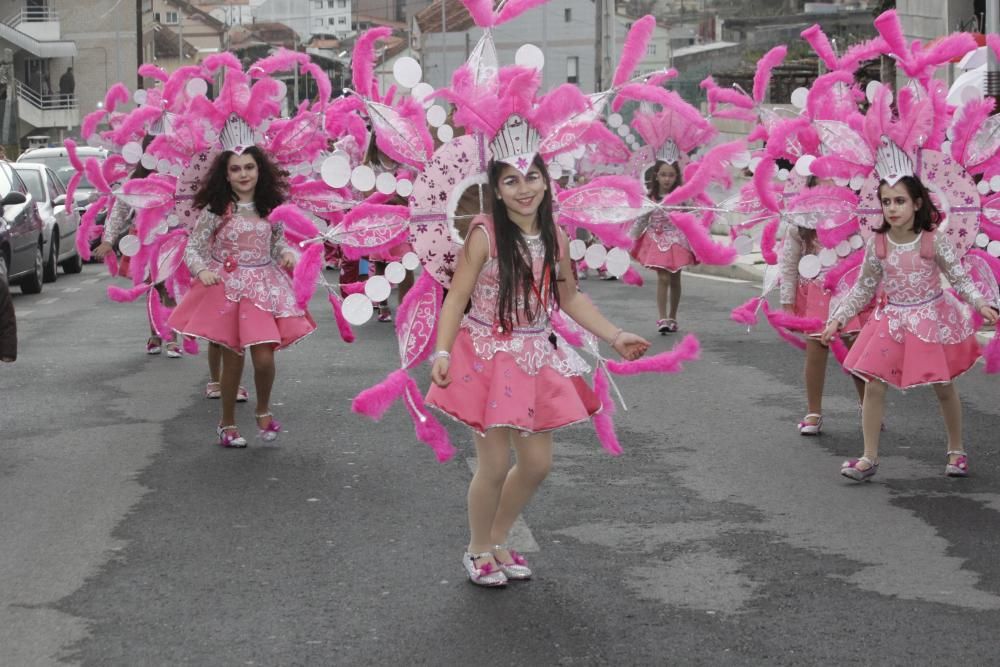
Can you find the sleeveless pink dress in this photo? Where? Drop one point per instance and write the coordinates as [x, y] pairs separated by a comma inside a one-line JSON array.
[[254, 303], [919, 333], [662, 246], [516, 379]]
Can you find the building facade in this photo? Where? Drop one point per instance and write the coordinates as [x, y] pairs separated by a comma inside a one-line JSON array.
[[309, 18]]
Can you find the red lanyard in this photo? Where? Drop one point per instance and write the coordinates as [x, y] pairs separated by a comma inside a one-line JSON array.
[[545, 289]]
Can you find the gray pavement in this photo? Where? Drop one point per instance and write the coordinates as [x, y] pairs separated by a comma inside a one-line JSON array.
[[720, 537]]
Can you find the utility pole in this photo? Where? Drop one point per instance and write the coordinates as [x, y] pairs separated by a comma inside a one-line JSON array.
[[992, 81], [608, 46], [598, 44]]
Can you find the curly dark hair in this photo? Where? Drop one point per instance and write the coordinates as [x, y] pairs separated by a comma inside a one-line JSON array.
[[653, 185], [216, 194], [927, 217], [513, 257]]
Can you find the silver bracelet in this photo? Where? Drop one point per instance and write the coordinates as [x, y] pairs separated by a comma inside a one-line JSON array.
[[439, 354]]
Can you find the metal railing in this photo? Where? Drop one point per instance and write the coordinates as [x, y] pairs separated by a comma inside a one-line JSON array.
[[46, 102], [32, 15]]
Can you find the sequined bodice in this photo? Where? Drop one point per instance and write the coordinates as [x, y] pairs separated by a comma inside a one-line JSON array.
[[486, 294], [246, 239], [663, 232]]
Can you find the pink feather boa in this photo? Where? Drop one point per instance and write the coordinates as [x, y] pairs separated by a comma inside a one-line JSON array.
[[603, 420], [343, 326], [747, 313], [768, 241], [702, 245], [672, 361], [306, 274]]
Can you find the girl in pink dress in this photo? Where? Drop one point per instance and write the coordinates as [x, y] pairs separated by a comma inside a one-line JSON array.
[[919, 333], [241, 296], [663, 248], [498, 370]]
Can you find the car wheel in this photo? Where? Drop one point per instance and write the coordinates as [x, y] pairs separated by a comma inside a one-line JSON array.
[[3, 266], [50, 272], [32, 283], [74, 264]]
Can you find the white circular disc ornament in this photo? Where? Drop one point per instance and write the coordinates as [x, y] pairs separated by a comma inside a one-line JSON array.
[[994, 248], [827, 257], [336, 171], [363, 178], [969, 94], [577, 249], [566, 160], [857, 242], [617, 262], [595, 256], [357, 309], [196, 87], [385, 183], [741, 160], [446, 133], [395, 272], [411, 261], [163, 165], [555, 171], [615, 120], [530, 55], [421, 91], [946, 147], [810, 266], [783, 174], [983, 187], [176, 170], [622, 130], [872, 89], [94, 141], [856, 182], [148, 161], [803, 165], [743, 244], [982, 240], [799, 97], [407, 72], [140, 96], [995, 184], [132, 152], [437, 116], [129, 245], [377, 288], [843, 248], [754, 161], [842, 182], [404, 187]]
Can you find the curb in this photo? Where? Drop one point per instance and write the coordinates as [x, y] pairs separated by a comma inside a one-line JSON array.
[[753, 273]]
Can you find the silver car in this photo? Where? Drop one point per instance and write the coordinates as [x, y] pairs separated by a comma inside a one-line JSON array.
[[59, 224]]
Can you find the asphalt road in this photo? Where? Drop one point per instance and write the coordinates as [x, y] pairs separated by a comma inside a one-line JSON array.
[[720, 537]]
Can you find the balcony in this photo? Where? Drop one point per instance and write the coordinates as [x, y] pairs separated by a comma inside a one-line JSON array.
[[37, 31], [53, 110]]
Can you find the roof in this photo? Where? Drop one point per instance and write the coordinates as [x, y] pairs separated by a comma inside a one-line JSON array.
[[272, 33], [703, 48], [457, 17], [165, 44], [199, 14]]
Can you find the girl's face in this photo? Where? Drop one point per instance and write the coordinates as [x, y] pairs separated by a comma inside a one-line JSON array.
[[241, 172], [666, 176], [897, 206], [522, 194]]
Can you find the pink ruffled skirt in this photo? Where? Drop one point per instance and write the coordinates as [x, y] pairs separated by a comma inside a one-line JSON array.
[[911, 363], [205, 312], [489, 393], [812, 301], [675, 258]]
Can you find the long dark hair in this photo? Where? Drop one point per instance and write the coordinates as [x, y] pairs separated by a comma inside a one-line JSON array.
[[927, 217], [216, 194], [653, 184], [513, 257]]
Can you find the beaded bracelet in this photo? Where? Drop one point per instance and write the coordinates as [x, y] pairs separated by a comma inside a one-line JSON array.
[[439, 354]]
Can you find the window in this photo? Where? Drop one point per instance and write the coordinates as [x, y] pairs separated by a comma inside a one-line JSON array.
[[329, 4], [341, 4], [170, 18], [651, 49], [33, 180], [568, 14], [156, 16], [342, 20], [573, 69], [318, 23], [318, 4], [330, 21]]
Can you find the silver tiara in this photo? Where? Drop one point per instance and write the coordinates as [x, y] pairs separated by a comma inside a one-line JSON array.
[[164, 124], [516, 144], [236, 135], [668, 152], [891, 162]]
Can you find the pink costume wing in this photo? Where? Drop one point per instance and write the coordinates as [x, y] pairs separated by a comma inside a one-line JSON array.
[[369, 228], [845, 142], [397, 136], [416, 320]]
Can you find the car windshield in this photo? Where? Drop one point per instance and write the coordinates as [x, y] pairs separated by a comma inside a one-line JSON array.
[[64, 170], [33, 180]]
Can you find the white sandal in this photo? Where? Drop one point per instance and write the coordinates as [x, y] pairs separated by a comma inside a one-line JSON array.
[[811, 428]]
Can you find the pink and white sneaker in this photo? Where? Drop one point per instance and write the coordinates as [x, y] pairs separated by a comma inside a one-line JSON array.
[[850, 469], [960, 468]]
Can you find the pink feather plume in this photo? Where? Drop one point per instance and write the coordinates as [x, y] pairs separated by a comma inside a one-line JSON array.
[[306, 274], [603, 420], [363, 60], [671, 361], [821, 45], [122, 295], [375, 401], [768, 240], [747, 313], [515, 8], [702, 245], [634, 49], [842, 268], [766, 65], [481, 12], [343, 326]]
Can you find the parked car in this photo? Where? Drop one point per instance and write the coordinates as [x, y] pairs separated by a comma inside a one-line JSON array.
[[21, 239], [59, 225], [57, 159]]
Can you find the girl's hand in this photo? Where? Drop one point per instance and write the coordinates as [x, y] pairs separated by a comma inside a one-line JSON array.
[[288, 260], [829, 332], [630, 346], [208, 278], [990, 314], [439, 372], [103, 249]]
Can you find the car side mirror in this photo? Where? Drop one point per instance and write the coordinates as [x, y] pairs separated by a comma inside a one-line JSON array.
[[13, 198], [59, 201]]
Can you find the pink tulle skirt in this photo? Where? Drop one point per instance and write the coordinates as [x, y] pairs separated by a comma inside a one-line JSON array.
[[676, 257], [911, 363], [488, 393], [205, 312]]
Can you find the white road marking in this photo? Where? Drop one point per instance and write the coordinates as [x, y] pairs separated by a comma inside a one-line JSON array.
[[520, 536], [718, 278], [45, 302], [22, 313], [71, 289], [89, 281]]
